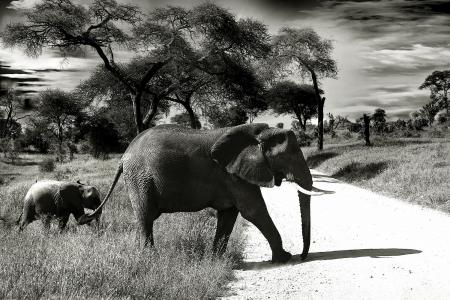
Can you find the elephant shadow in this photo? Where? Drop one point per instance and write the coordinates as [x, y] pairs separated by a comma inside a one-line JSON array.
[[330, 255], [357, 171], [317, 159]]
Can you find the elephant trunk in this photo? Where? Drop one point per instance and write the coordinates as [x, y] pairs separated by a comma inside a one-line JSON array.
[[303, 178]]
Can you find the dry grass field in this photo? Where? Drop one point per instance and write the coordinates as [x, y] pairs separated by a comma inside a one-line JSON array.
[[105, 263], [416, 170]]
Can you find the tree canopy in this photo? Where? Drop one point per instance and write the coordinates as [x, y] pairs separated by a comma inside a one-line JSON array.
[[439, 84], [207, 38], [288, 97], [310, 55]]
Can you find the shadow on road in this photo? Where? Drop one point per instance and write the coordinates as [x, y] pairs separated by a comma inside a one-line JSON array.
[[330, 255]]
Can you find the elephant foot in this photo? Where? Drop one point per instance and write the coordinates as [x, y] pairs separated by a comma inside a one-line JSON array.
[[281, 257]]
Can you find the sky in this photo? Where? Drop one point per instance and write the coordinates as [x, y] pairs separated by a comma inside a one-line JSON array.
[[384, 49]]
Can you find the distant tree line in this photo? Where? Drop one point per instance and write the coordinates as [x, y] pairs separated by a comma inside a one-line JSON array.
[[204, 61]]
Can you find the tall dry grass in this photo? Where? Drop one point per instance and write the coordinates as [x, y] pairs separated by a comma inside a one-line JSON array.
[[85, 262], [416, 170]]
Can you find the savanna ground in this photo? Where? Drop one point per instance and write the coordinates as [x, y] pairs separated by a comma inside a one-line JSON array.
[[412, 169], [88, 263], [85, 262]]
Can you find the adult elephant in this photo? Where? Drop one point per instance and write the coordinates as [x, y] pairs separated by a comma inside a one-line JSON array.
[[173, 169], [50, 198]]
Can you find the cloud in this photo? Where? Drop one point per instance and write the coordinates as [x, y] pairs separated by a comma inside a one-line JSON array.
[[417, 58], [22, 4]]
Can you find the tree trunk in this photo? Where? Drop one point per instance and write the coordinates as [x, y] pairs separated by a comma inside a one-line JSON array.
[[195, 123], [298, 114], [367, 129], [320, 103], [151, 114]]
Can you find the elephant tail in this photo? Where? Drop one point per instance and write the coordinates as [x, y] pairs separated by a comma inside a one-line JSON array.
[[18, 219], [86, 218]]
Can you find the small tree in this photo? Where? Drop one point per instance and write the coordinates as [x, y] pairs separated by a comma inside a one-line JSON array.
[[59, 109], [103, 137], [379, 120], [334, 122], [417, 121], [311, 54], [37, 135], [439, 84], [9, 106], [288, 97], [430, 110]]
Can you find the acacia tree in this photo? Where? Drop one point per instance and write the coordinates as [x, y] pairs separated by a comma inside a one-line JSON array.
[[69, 27], [311, 55], [289, 97], [9, 105], [202, 36], [439, 84], [59, 110]]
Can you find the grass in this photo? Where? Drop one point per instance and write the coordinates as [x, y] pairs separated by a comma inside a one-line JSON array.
[[415, 170], [106, 263]]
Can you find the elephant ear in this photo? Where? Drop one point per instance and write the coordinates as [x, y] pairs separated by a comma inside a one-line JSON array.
[[239, 152]]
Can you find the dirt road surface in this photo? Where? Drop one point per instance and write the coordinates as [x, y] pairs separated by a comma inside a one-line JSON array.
[[364, 246]]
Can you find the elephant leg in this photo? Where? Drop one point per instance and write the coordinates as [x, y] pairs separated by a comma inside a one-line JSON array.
[[23, 223], [46, 221], [27, 218], [62, 222], [225, 223], [253, 208], [143, 201]]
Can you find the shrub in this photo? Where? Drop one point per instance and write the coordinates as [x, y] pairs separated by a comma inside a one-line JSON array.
[[441, 117], [409, 133], [436, 133], [347, 135], [354, 127], [303, 138], [47, 165], [36, 135], [103, 138]]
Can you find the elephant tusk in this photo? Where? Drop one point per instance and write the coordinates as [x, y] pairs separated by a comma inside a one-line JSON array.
[[317, 192]]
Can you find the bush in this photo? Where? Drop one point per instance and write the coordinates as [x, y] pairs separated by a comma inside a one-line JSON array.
[[303, 138], [347, 135], [436, 133], [409, 133], [354, 127], [47, 165], [36, 135], [441, 117], [103, 138]]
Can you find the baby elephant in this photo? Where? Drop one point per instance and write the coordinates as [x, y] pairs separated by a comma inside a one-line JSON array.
[[50, 198]]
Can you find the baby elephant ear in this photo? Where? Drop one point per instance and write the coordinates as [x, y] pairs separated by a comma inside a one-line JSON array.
[[239, 152]]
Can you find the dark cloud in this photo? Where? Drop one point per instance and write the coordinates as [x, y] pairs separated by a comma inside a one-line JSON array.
[[392, 89], [412, 22], [412, 102], [22, 83]]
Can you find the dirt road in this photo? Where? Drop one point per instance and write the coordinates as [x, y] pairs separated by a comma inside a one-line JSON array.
[[364, 246]]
